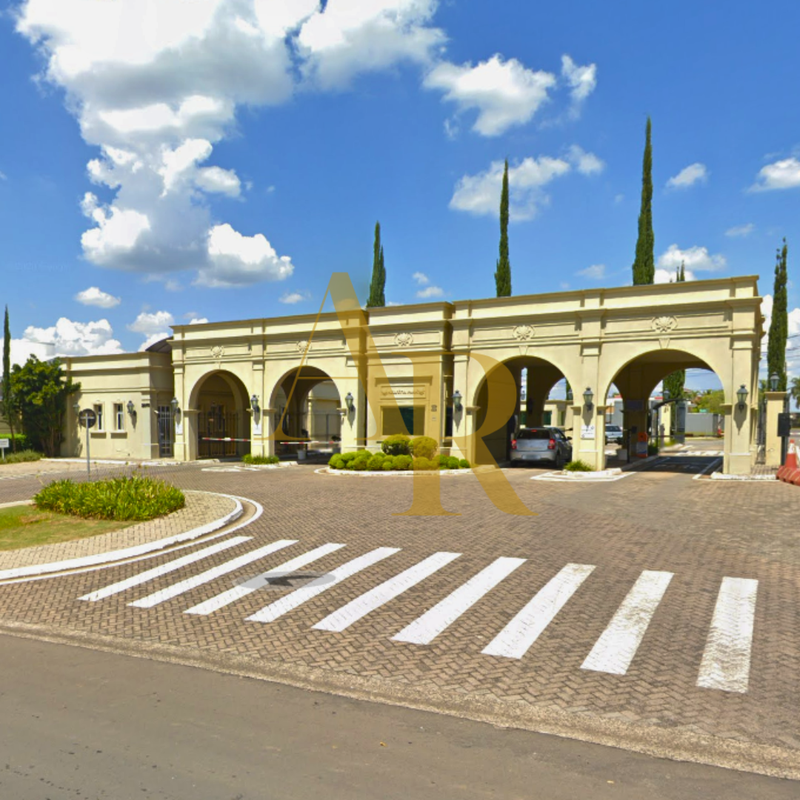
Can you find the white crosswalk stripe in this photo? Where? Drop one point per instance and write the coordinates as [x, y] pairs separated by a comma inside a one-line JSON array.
[[209, 575], [344, 617], [259, 582], [426, 628], [517, 637], [726, 658], [164, 569], [617, 645], [304, 593]]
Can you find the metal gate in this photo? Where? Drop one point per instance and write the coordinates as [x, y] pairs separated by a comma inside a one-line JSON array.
[[216, 424], [166, 432]]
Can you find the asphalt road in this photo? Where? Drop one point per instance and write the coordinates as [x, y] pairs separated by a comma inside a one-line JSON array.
[[84, 724]]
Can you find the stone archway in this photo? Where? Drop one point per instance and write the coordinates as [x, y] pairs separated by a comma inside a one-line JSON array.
[[218, 418]]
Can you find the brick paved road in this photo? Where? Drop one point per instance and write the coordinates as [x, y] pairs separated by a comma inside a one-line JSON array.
[[622, 537]]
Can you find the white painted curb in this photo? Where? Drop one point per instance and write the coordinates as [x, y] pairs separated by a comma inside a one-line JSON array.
[[130, 552]]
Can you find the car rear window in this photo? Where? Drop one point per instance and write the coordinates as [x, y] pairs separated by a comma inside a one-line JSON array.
[[613, 428], [534, 433]]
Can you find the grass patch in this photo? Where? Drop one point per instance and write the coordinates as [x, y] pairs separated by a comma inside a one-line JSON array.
[[26, 526], [578, 466], [135, 498]]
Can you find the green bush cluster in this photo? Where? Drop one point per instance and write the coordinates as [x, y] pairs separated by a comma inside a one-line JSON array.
[[23, 455], [364, 460], [424, 447], [21, 440], [128, 498], [397, 445], [578, 466], [249, 459]]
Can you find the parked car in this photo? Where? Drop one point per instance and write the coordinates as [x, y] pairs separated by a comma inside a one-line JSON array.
[[540, 444], [613, 433]]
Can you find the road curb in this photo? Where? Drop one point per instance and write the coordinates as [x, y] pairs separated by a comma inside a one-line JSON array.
[[99, 559]]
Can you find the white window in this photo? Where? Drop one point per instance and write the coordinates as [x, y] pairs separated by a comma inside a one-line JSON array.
[[119, 417], [98, 410]]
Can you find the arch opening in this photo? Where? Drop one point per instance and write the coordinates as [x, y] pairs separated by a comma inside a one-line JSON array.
[[222, 407]]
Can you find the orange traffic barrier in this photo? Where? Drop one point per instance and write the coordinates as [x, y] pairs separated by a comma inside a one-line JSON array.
[[790, 470]]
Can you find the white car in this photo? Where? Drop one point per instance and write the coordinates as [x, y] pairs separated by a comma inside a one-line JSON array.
[[613, 434]]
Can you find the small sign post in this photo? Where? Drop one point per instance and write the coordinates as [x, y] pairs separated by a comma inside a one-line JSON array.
[[88, 418], [4, 446]]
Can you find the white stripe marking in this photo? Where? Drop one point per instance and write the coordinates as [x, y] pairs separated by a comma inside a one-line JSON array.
[[726, 659], [259, 582], [304, 593], [204, 577], [426, 628], [164, 569], [517, 637], [616, 647], [352, 612]]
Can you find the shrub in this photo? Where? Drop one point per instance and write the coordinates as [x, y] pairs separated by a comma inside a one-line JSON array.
[[652, 449], [397, 445], [452, 462], [442, 460], [128, 498], [23, 455], [402, 462], [336, 462], [463, 463], [376, 462], [20, 439], [424, 447], [388, 463], [424, 464], [348, 457], [360, 463], [578, 466], [251, 459]]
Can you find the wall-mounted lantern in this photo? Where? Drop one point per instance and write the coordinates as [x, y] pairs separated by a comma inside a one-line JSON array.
[[131, 408], [176, 412], [349, 401], [773, 382], [254, 402], [742, 395], [588, 397], [457, 404]]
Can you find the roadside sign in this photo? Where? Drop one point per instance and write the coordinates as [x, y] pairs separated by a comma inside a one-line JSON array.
[[641, 444], [88, 417], [587, 431], [4, 444]]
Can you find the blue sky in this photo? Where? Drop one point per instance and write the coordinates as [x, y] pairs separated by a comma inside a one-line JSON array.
[[158, 167]]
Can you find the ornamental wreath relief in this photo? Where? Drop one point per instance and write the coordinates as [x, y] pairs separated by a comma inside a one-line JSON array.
[[664, 324]]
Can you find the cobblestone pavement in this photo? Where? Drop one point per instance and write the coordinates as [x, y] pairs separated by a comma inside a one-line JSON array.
[[656, 642]]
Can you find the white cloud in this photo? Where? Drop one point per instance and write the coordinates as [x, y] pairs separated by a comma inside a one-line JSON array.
[[291, 298], [198, 321], [696, 259], [353, 36], [503, 93], [68, 338], [689, 176], [784, 174], [148, 323], [153, 338], [237, 260], [94, 297], [421, 278], [430, 291], [670, 276], [585, 163], [480, 194], [741, 230], [595, 272], [582, 81]]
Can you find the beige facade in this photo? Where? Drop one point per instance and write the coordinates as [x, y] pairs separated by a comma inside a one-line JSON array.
[[424, 368]]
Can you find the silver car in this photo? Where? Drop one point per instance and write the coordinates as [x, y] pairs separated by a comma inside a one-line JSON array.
[[541, 444], [614, 434]]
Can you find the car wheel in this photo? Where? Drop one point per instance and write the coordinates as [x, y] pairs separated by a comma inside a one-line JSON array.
[[559, 462]]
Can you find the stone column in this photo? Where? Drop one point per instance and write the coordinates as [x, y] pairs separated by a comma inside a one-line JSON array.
[[776, 402]]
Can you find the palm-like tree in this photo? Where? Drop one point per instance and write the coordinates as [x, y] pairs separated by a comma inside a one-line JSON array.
[[794, 391]]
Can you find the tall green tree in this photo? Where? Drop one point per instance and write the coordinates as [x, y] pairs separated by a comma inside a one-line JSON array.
[[644, 267], [40, 394], [779, 325], [7, 407], [377, 297], [794, 391], [674, 382], [502, 277]]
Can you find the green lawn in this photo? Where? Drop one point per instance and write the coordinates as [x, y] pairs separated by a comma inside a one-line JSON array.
[[25, 526]]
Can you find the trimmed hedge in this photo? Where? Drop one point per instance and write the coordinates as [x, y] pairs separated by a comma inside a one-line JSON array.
[[136, 498], [397, 445], [250, 459], [24, 455], [424, 447], [578, 466], [365, 461]]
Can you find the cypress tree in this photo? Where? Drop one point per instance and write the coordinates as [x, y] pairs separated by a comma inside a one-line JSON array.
[[502, 277], [377, 298], [644, 268], [8, 404], [779, 324], [675, 381]]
